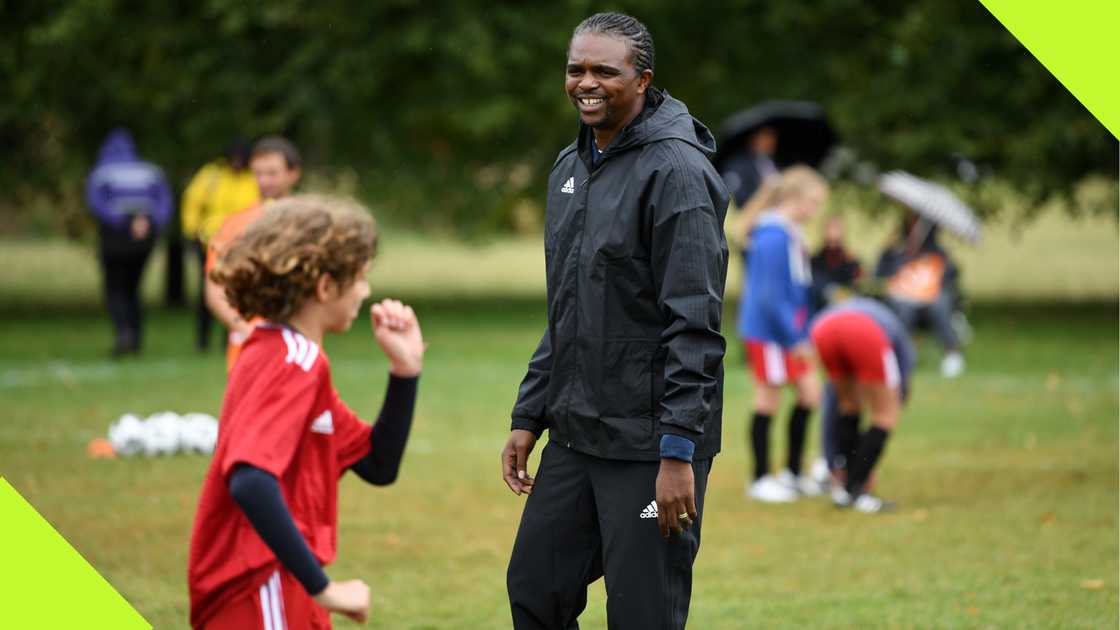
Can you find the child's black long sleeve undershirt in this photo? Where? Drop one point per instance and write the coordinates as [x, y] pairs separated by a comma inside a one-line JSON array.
[[258, 494]]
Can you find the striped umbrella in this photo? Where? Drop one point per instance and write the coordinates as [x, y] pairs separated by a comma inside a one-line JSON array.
[[934, 202]]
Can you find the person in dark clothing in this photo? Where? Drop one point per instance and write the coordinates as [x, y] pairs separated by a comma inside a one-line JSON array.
[[628, 376], [131, 201], [745, 171], [835, 270]]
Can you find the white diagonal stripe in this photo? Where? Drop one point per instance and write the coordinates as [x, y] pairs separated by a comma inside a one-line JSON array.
[[312, 352], [291, 343]]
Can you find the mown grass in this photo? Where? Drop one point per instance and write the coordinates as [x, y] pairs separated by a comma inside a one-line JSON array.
[[1052, 258], [1007, 479]]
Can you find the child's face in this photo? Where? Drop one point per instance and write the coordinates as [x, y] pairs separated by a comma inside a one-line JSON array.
[[344, 303]]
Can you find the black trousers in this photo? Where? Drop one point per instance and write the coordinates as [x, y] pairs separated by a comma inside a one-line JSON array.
[[584, 520], [122, 273], [204, 319]]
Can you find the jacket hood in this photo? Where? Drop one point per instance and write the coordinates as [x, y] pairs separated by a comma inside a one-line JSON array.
[[118, 147], [664, 118]]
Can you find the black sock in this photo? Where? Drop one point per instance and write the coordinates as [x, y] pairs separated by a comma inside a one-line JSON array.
[[760, 443], [870, 449], [798, 423], [847, 439]]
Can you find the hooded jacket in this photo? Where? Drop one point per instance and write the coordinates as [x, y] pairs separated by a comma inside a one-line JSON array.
[[774, 305], [636, 261], [122, 185]]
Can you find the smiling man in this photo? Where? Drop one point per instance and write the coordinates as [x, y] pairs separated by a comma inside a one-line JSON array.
[[628, 377]]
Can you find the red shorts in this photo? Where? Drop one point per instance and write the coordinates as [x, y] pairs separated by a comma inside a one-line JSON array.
[[773, 364], [280, 603], [851, 345]]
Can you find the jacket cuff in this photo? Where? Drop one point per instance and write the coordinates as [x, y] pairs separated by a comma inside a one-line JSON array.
[[677, 447], [526, 424]]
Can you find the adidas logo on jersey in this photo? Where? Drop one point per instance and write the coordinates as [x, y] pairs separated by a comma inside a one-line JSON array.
[[324, 423], [650, 510], [569, 186], [300, 351]]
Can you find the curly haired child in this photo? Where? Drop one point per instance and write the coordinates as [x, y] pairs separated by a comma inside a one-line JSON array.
[[267, 517]]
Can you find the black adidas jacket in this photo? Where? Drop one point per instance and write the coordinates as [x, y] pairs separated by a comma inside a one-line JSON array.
[[636, 262]]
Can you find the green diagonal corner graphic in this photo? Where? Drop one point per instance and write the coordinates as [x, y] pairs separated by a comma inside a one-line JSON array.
[[1077, 42], [45, 582]]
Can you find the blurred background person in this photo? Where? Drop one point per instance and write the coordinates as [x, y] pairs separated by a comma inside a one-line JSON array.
[[866, 351], [276, 165], [835, 270], [220, 188], [773, 325], [131, 201], [922, 286], [744, 171]]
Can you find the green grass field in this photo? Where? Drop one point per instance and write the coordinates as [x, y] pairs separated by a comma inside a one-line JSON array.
[[1007, 478]]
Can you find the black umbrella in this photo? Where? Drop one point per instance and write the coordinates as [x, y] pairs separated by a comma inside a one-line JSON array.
[[804, 133]]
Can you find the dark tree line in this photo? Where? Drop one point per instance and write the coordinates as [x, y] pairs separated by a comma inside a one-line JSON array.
[[450, 113]]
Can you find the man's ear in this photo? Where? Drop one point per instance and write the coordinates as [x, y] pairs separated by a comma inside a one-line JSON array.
[[644, 79], [325, 288]]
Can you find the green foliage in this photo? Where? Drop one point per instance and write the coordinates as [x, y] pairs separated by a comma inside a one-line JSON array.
[[425, 103]]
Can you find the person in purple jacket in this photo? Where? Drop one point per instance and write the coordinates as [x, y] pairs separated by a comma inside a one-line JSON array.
[[131, 201], [773, 325]]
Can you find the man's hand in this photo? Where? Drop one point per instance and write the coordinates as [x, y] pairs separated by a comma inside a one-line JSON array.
[[515, 459], [397, 331], [351, 598], [676, 496]]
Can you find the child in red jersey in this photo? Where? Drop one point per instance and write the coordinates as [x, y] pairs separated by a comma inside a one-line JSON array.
[[267, 518]]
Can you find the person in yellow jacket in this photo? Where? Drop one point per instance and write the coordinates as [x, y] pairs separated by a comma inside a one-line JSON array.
[[220, 188]]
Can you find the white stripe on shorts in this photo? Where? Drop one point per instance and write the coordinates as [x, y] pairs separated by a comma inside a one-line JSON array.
[[774, 361], [266, 608], [892, 375], [278, 621]]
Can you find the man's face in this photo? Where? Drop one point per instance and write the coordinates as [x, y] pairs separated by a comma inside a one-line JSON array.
[[602, 83], [274, 178]]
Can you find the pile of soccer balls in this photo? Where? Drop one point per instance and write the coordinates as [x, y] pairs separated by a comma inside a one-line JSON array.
[[164, 433]]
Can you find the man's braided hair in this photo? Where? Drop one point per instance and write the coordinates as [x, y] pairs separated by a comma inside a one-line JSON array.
[[626, 28]]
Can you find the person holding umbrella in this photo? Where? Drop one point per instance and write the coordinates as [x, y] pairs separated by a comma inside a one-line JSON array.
[[131, 201], [922, 280], [758, 142]]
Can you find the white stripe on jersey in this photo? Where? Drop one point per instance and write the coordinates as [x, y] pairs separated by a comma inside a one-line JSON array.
[[289, 341], [312, 353], [301, 351], [891, 372], [773, 360]]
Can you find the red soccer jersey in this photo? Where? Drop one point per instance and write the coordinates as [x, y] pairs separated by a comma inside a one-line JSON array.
[[280, 414]]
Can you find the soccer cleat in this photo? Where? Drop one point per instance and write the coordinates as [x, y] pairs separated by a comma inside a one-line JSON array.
[[871, 504], [952, 365], [769, 490], [802, 485], [840, 496]]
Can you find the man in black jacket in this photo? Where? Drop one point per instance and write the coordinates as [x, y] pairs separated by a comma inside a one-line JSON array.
[[628, 377]]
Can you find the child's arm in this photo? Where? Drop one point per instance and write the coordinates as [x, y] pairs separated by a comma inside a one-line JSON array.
[[397, 331], [390, 434], [258, 495]]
